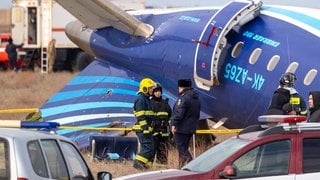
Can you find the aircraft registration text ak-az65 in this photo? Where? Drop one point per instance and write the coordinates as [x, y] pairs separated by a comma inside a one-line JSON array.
[[234, 55]]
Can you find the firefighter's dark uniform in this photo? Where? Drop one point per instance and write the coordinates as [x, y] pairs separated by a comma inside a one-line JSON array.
[[297, 103], [286, 99], [143, 112], [161, 130], [280, 97], [185, 116]]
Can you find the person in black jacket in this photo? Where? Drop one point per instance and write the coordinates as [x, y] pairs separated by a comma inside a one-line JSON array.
[[296, 102], [184, 119], [280, 98], [314, 106], [160, 125], [286, 99], [11, 50]]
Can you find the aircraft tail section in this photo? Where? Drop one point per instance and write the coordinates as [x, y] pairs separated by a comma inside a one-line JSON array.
[[97, 14], [100, 96]]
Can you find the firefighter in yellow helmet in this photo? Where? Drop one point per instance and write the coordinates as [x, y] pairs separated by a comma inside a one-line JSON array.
[[142, 109]]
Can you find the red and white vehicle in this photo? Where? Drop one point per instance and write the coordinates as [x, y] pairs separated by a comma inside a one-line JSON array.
[[289, 150], [3, 55]]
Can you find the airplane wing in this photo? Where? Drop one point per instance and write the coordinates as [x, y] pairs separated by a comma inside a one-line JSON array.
[[105, 14]]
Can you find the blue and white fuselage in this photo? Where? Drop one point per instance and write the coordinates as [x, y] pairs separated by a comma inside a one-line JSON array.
[[234, 60]]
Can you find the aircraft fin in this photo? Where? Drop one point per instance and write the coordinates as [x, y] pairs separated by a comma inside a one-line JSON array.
[[100, 96], [98, 14]]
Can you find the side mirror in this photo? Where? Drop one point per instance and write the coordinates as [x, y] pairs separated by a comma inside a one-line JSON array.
[[104, 176], [228, 172]]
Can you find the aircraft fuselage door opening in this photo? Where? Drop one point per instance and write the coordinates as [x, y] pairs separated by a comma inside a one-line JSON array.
[[213, 40]]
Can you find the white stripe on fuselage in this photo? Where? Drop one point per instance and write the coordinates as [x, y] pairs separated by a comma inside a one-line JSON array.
[[73, 119], [313, 13], [294, 21]]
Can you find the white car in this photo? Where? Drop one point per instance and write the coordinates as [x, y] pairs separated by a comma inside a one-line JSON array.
[[35, 155]]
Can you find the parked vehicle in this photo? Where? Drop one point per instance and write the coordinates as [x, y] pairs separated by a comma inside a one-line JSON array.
[[31, 154], [289, 150]]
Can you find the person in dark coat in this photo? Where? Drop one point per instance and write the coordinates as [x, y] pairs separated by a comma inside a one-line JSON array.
[[11, 50], [160, 125], [184, 119], [280, 97], [314, 106]]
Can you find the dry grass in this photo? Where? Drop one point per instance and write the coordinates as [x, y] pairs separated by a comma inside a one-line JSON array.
[[32, 89], [121, 168], [28, 90]]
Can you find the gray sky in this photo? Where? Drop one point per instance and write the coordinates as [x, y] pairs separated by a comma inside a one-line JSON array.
[[5, 4]]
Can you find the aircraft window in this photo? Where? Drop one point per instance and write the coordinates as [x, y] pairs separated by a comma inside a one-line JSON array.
[[237, 49], [292, 67], [310, 77], [273, 62], [255, 56]]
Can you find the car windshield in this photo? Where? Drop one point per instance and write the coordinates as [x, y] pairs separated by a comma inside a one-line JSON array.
[[215, 155]]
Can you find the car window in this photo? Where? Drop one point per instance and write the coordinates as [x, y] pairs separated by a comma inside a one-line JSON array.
[[265, 160], [77, 164], [311, 155], [4, 159], [215, 155], [56, 163], [37, 159]]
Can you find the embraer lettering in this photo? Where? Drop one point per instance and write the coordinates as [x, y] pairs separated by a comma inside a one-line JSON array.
[[189, 18], [240, 75], [262, 39]]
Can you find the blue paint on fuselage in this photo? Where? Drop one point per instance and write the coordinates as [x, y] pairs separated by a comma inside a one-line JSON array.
[[105, 91], [169, 55]]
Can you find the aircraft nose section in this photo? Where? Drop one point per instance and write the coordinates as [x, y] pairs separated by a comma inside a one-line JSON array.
[[80, 35]]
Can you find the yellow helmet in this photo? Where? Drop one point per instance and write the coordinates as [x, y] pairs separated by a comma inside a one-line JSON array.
[[145, 84]]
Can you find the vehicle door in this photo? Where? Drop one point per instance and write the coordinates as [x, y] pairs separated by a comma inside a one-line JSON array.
[[266, 160], [53, 160], [5, 160], [309, 151], [76, 163]]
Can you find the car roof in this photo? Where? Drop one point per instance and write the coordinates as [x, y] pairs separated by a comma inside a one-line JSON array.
[[257, 131], [29, 134]]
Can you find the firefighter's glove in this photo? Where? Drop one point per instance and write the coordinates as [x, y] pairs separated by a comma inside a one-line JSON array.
[[146, 129]]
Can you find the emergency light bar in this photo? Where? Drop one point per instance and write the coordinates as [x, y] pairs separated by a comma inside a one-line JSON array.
[[281, 119], [28, 124]]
